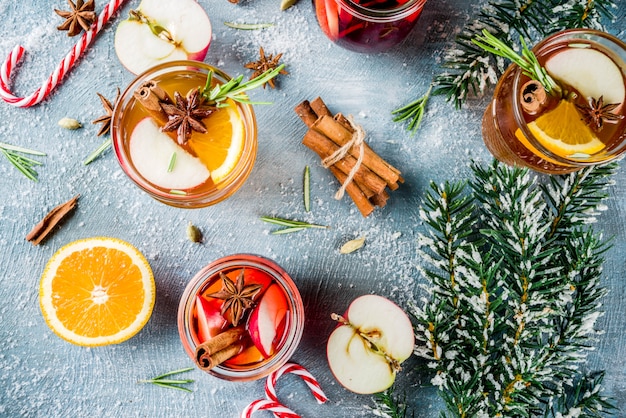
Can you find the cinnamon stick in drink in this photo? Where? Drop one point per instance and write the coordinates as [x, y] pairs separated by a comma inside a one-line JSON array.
[[220, 348], [150, 95]]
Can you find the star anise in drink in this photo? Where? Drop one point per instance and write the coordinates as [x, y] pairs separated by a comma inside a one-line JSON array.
[[596, 113], [237, 296], [263, 64], [80, 17], [186, 115]]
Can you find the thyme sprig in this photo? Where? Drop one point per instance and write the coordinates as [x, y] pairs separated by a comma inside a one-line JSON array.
[[290, 225], [235, 88], [171, 383], [25, 165], [527, 61]]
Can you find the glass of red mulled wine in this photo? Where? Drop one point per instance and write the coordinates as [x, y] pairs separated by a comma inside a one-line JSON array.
[[272, 325], [367, 25]]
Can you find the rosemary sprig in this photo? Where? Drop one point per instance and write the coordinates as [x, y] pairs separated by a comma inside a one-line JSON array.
[[306, 186], [24, 164], [101, 149], [413, 111], [172, 163], [527, 61], [171, 383], [290, 225], [235, 89], [248, 26]]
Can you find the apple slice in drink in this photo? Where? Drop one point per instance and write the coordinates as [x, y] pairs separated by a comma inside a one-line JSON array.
[[151, 152], [590, 72], [210, 319], [372, 339], [160, 31], [268, 319]]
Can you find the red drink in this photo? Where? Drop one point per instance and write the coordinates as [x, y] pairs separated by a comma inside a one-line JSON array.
[[263, 325], [367, 25]]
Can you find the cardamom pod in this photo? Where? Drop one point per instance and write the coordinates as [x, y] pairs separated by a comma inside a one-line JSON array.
[[193, 233], [352, 246], [69, 123]]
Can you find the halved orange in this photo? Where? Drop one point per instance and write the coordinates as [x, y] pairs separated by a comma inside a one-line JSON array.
[[563, 132], [97, 291], [220, 148]]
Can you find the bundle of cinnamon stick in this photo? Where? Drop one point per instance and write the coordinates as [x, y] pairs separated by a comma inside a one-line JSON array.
[[327, 133]]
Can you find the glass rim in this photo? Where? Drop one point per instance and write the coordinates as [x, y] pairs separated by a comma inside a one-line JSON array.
[[611, 46], [381, 15], [297, 314], [234, 179]]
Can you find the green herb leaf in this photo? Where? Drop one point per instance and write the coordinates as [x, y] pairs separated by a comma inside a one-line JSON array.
[[291, 226], [101, 149], [307, 188], [24, 164], [235, 88], [413, 111], [171, 383], [248, 26], [172, 163]]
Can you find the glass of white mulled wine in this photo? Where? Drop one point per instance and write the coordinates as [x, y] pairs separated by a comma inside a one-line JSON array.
[[179, 160], [580, 123]]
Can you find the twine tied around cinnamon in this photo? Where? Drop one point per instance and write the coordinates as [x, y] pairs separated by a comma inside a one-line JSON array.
[[358, 138]]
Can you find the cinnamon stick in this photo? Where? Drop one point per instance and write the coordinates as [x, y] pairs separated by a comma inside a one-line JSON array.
[[324, 147], [52, 219], [150, 95], [306, 113], [337, 133], [220, 348], [363, 204], [207, 362], [320, 108]]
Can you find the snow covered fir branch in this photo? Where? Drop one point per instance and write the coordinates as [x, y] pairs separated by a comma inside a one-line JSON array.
[[513, 268], [469, 70]]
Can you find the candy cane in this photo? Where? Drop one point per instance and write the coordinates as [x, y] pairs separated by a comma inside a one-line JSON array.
[[268, 405], [64, 66], [312, 383]]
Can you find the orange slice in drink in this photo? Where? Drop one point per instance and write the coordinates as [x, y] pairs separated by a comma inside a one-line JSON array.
[[220, 148], [563, 132], [97, 291]]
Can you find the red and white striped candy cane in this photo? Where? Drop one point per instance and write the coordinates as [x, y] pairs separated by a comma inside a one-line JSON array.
[[268, 405], [64, 66], [312, 383]]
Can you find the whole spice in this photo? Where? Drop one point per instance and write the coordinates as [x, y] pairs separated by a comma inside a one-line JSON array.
[[597, 113], [352, 245], [186, 115], [52, 219], [237, 296], [263, 64], [193, 233], [80, 17], [533, 97], [69, 123], [105, 120], [220, 348]]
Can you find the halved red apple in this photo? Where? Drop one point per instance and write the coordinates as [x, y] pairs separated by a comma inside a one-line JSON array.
[[266, 320]]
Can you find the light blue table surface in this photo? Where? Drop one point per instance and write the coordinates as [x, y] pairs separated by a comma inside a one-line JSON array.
[[44, 376]]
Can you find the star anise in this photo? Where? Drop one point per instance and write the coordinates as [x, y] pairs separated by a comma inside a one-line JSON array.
[[237, 296], [80, 17], [105, 120], [186, 115], [596, 113], [265, 63]]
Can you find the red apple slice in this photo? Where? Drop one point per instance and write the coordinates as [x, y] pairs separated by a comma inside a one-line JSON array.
[[266, 319], [167, 31], [210, 320]]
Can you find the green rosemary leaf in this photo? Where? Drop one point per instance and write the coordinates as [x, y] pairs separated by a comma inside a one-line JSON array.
[[170, 386], [187, 369], [307, 188], [248, 26], [413, 111], [291, 226], [172, 163], [235, 89], [288, 230], [98, 152], [22, 163]]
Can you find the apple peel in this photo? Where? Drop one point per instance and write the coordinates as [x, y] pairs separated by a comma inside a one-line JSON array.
[[267, 319]]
